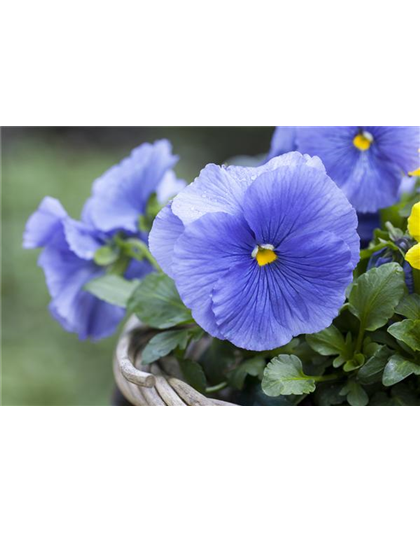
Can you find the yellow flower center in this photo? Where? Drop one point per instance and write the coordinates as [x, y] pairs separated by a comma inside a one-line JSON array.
[[264, 254], [363, 140]]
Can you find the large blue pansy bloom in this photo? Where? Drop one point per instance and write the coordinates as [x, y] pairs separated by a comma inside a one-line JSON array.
[[69, 246], [260, 254], [366, 162]]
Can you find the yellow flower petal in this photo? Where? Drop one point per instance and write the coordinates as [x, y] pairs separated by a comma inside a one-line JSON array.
[[414, 222], [413, 256], [415, 173]]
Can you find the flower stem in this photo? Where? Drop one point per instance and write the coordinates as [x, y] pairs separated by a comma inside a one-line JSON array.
[[416, 280], [139, 250], [329, 377], [216, 388], [360, 336]]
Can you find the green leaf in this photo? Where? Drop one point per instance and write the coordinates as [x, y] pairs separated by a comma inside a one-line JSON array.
[[152, 209], [327, 342], [372, 370], [193, 373], [112, 289], [355, 394], [163, 344], [406, 210], [252, 367], [375, 295], [397, 369], [353, 364], [408, 332], [157, 303], [409, 306], [106, 255], [217, 359], [284, 375]]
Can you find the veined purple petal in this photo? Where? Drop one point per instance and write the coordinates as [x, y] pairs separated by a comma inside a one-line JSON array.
[[261, 308], [299, 200], [203, 253]]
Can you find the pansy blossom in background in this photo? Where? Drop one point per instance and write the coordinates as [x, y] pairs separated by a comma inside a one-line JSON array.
[[262, 254], [367, 162], [118, 200]]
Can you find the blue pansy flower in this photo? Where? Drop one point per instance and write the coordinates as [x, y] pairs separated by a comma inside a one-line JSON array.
[[367, 162], [260, 254], [118, 199], [67, 261]]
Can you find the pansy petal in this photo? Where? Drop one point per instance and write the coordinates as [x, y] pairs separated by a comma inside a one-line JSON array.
[[80, 312], [61, 265], [414, 222], [243, 305], [222, 189], [77, 310], [261, 308], [121, 194], [302, 199], [166, 230], [316, 268], [203, 253], [399, 144], [169, 187], [413, 256], [44, 223], [83, 240]]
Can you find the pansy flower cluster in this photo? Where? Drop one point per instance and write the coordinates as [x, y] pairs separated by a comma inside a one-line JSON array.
[[118, 199], [264, 259]]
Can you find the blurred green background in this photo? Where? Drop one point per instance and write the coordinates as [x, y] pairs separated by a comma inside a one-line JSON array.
[[55, 422], [41, 363]]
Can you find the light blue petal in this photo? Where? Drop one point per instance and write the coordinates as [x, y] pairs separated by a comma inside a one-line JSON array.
[[203, 253], [165, 232], [120, 196], [261, 308], [169, 187], [82, 239], [222, 189], [77, 310], [44, 223]]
